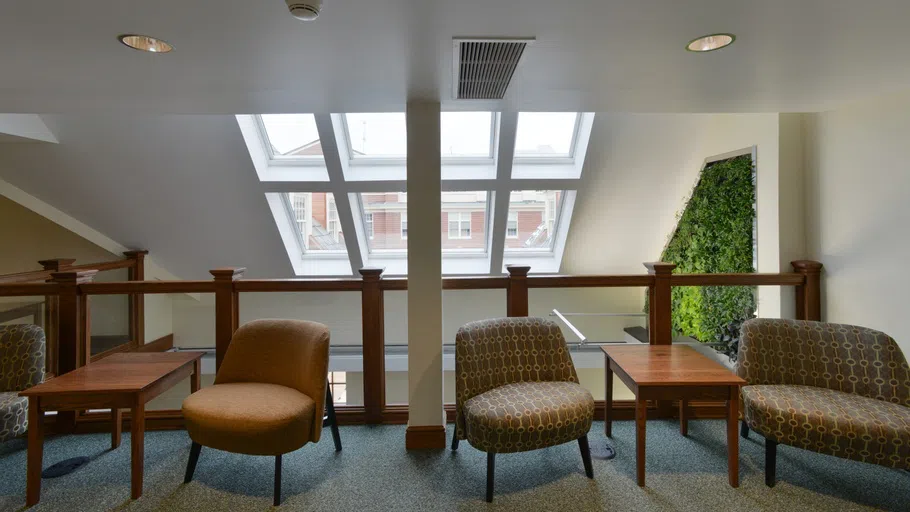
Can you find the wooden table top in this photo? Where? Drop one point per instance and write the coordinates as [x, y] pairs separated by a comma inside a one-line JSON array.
[[670, 365], [128, 372]]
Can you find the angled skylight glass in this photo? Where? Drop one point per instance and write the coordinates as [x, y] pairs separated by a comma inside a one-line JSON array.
[[376, 135], [291, 136], [315, 216], [532, 219], [467, 134], [546, 134]]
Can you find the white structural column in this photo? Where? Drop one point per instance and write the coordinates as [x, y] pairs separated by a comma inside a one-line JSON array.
[[426, 418]]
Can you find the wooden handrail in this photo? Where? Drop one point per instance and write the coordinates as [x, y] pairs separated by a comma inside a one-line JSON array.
[[298, 285], [606, 281], [784, 279], [28, 289], [26, 277], [144, 287], [475, 283], [394, 284], [33, 310], [104, 266]]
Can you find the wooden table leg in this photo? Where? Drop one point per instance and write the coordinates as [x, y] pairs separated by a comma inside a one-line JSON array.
[[732, 436], [35, 451], [137, 449], [683, 419], [641, 417], [196, 378], [116, 427], [608, 407]]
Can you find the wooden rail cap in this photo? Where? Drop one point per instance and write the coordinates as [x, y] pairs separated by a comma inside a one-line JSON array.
[[136, 253], [659, 267], [57, 264], [227, 273], [518, 270], [372, 273], [807, 266]]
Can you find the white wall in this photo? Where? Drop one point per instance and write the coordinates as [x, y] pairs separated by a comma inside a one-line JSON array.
[[858, 213]]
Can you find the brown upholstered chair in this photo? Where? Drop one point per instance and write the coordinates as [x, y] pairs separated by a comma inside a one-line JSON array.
[[836, 389], [516, 390], [269, 394], [22, 352]]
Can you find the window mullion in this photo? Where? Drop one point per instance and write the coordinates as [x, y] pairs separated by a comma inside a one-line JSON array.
[[498, 218]]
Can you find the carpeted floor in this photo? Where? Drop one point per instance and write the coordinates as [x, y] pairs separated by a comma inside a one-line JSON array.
[[374, 472]]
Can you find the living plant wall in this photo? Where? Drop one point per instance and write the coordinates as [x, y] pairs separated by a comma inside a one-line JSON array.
[[714, 234]]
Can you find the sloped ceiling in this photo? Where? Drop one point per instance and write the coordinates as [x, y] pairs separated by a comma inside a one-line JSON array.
[[182, 186], [242, 56]]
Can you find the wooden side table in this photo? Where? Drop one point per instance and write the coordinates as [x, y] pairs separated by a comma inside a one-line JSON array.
[[120, 381], [672, 372]]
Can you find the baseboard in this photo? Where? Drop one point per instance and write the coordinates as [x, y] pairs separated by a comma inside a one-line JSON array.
[[425, 437], [162, 344]]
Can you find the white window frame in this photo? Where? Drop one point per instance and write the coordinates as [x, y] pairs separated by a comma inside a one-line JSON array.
[[347, 182], [285, 160]]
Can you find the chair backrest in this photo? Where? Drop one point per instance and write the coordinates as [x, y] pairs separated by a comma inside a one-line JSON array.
[[22, 351], [500, 351], [845, 358], [291, 353]]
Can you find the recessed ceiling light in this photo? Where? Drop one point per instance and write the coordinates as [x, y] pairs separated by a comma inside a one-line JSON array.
[[710, 43], [145, 43]]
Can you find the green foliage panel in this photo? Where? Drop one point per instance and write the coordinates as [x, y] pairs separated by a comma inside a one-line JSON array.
[[715, 235]]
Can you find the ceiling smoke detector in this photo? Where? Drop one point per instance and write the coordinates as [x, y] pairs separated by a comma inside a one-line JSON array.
[[304, 10]]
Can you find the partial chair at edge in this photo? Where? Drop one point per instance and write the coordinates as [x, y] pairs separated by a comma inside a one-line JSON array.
[[517, 390], [270, 395], [840, 390]]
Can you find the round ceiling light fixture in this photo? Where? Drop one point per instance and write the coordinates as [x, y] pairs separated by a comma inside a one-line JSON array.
[[710, 42], [145, 43]]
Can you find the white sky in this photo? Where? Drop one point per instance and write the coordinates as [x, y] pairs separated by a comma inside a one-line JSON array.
[[462, 133]]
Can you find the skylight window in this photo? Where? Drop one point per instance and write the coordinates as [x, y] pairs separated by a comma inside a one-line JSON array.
[[318, 226], [291, 135], [467, 134], [464, 221], [377, 135], [533, 219], [546, 134]]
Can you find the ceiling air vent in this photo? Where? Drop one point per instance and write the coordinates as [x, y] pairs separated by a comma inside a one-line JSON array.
[[484, 67]]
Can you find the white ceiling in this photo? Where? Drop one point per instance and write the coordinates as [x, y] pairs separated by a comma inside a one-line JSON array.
[[245, 56]]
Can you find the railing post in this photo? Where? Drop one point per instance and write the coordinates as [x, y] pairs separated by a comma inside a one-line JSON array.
[[73, 331], [517, 292], [808, 294], [373, 313], [227, 312], [51, 306], [660, 328], [137, 300]]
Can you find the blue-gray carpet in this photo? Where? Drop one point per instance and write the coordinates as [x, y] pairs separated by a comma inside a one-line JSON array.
[[374, 472]]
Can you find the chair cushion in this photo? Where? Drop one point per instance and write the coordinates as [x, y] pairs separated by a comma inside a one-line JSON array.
[[527, 416], [250, 418], [13, 415], [833, 422]]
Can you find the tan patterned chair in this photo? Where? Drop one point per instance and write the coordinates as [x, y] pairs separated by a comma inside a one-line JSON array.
[[516, 390], [269, 394], [836, 389], [21, 367]]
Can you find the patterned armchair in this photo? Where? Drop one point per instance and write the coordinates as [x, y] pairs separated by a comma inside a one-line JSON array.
[[21, 367], [516, 390], [836, 389]]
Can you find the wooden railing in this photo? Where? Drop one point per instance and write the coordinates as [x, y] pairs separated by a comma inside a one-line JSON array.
[[71, 288]]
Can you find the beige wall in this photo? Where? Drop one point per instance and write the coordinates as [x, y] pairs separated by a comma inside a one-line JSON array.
[[858, 213]]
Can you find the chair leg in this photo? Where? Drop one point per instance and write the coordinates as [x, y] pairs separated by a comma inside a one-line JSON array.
[[332, 419], [277, 499], [586, 455], [491, 466], [744, 431], [191, 463], [455, 439], [770, 462]]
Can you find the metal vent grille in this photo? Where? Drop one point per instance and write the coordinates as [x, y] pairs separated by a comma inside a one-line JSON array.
[[484, 67]]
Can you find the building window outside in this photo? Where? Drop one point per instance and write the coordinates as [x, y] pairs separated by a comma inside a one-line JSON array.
[[333, 226], [512, 225], [404, 225], [459, 225], [369, 222], [298, 204]]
